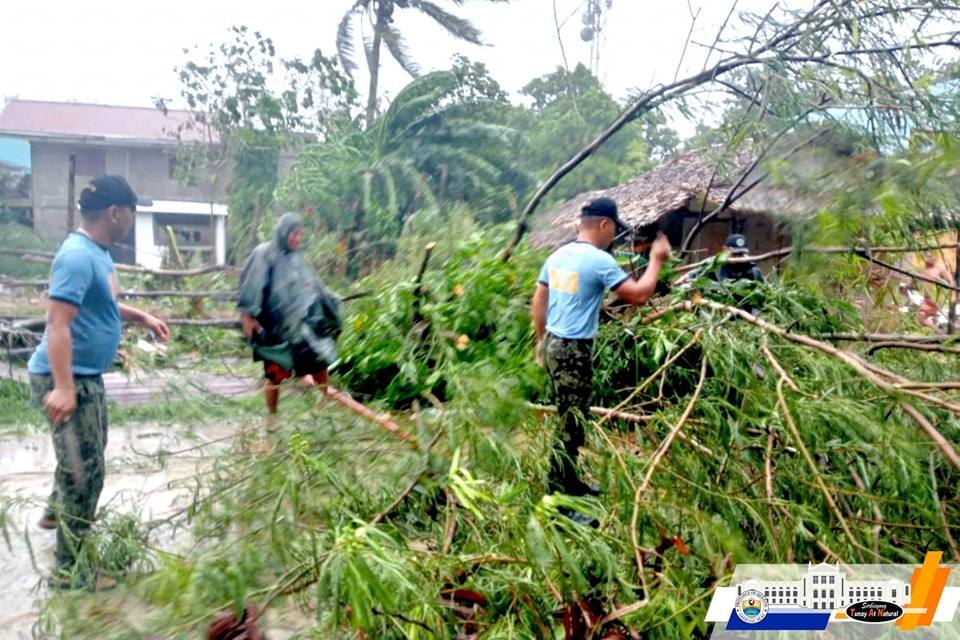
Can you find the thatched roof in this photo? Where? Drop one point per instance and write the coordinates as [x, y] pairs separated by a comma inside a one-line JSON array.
[[682, 182]]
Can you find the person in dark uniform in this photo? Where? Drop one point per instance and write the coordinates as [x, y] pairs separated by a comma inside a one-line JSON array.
[[736, 246]]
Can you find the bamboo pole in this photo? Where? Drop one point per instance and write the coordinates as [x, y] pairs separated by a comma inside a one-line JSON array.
[[384, 421], [46, 256], [883, 337]]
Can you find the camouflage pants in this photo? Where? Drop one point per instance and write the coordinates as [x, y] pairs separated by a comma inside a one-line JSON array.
[[78, 443], [569, 364]]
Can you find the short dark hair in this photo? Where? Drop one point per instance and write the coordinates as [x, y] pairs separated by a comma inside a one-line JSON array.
[[593, 221], [92, 215]]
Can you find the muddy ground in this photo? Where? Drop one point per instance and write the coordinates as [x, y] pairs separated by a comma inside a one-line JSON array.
[[138, 481]]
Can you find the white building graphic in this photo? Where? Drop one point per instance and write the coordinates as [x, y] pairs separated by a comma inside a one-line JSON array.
[[825, 587]]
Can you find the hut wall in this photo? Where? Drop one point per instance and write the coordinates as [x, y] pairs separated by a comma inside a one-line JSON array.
[[763, 233]]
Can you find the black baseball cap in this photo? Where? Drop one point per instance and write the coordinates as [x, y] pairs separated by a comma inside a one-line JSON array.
[[106, 191], [604, 208], [736, 243]]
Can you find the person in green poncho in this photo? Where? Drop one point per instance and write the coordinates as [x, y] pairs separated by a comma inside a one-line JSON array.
[[289, 317]]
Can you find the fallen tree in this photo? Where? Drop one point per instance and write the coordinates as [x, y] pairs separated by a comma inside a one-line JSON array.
[[719, 437]]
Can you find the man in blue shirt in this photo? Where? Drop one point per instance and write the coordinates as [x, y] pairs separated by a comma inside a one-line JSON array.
[[566, 313], [84, 322]]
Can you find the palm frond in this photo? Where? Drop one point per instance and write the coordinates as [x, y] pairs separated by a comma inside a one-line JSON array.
[[398, 49], [413, 101], [456, 26], [345, 41]]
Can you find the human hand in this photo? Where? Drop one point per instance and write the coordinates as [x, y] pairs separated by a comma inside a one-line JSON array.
[[538, 351], [158, 327], [60, 404], [660, 250], [249, 326]]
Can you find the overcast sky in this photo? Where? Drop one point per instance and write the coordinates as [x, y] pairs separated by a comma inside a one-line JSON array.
[[122, 52]]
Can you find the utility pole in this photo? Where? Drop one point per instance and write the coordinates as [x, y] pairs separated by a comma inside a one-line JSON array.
[[71, 193]]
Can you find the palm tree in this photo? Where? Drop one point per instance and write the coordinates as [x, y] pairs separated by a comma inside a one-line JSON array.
[[379, 13], [428, 149]]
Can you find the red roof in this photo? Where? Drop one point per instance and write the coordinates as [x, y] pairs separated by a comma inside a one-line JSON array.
[[35, 119]]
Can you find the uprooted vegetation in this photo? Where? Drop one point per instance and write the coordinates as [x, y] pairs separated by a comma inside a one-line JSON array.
[[733, 439]]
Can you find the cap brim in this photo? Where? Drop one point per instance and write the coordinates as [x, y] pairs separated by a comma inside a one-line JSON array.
[[738, 251]]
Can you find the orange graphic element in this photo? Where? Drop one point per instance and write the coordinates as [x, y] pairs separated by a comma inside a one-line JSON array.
[[564, 280], [926, 587]]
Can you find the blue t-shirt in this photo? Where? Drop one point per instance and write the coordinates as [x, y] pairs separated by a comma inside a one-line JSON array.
[[83, 275], [578, 274]]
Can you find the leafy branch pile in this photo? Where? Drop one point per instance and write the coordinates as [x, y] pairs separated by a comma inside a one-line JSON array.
[[738, 440]]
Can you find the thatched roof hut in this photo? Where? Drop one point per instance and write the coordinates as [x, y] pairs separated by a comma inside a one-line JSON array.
[[676, 194]]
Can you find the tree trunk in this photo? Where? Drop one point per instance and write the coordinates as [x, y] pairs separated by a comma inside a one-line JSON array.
[[354, 240], [373, 61]]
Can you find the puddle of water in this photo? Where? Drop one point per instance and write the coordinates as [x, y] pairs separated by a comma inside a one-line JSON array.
[[136, 482]]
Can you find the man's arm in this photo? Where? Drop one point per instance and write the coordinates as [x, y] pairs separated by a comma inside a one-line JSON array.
[[61, 402], [637, 292], [153, 323], [539, 311]]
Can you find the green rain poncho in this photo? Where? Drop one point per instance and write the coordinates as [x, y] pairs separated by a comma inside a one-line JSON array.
[[280, 290]]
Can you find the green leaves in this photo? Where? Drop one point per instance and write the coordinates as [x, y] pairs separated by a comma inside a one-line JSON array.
[[434, 146], [465, 487]]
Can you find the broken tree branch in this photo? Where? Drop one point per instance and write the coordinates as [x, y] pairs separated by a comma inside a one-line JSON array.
[[911, 345], [871, 372], [386, 422], [777, 366], [597, 411], [884, 337], [657, 457], [785, 251], [943, 513], [45, 256], [942, 443], [791, 425], [913, 274], [418, 288]]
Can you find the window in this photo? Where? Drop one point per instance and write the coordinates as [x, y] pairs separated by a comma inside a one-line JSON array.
[[893, 593], [815, 606], [815, 579], [832, 578], [831, 593], [831, 605], [814, 593], [906, 589], [91, 162]]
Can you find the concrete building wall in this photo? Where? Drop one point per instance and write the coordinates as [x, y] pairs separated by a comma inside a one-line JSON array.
[[147, 169]]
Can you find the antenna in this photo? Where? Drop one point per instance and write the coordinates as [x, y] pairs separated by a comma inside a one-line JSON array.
[[594, 21]]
